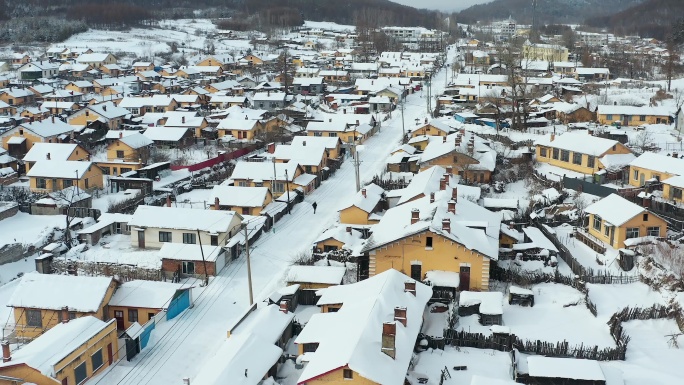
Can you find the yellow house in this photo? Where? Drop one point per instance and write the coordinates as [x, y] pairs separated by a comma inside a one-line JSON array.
[[54, 151], [19, 140], [128, 153], [338, 238], [17, 96], [365, 207], [43, 301], [315, 277], [434, 128], [81, 86], [261, 174], [53, 175], [140, 301], [241, 129], [651, 167], [311, 157], [616, 222], [70, 353], [467, 154], [142, 66], [381, 317], [672, 189], [633, 116], [253, 60], [243, 200], [577, 151], [546, 52], [106, 112], [332, 145]]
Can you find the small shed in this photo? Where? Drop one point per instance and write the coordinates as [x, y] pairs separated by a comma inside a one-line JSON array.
[[313, 278], [444, 285], [487, 305], [560, 371], [519, 296]]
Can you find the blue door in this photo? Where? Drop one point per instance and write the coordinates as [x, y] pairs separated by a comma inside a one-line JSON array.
[[180, 302]]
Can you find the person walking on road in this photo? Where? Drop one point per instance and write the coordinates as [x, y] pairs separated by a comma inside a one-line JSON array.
[[314, 205]]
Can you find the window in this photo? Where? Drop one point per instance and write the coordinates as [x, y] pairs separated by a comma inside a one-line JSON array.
[[642, 118], [636, 174], [555, 153], [33, 318], [591, 161], [317, 133], [96, 360], [188, 268], [132, 315], [676, 192], [67, 183], [606, 230], [85, 183], [214, 240], [348, 374], [279, 187], [189, 238], [245, 211], [332, 134], [565, 156], [645, 217], [653, 231], [597, 222], [329, 248], [577, 158], [632, 232], [41, 183], [119, 154], [311, 347], [81, 373], [164, 236], [609, 117], [242, 183], [428, 242], [542, 152]]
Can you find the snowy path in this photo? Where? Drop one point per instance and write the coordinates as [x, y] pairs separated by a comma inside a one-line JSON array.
[[181, 347]]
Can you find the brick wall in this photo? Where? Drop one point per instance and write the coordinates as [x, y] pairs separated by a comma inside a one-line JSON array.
[[172, 265]]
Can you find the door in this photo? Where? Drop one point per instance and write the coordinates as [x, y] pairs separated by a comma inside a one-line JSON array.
[[612, 235], [110, 354], [416, 272], [464, 278], [642, 178], [118, 314], [141, 239]]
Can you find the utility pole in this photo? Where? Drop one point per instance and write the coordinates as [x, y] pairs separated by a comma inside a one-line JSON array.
[[287, 189], [403, 127], [204, 261], [356, 162], [249, 265]]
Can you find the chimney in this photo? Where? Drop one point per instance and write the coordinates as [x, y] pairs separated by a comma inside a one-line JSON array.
[[304, 143], [446, 225], [104, 107], [271, 148], [363, 192], [65, 314], [444, 139], [400, 315], [432, 197], [389, 335], [168, 200], [330, 120], [451, 206], [283, 306], [246, 118], [462, 131], [357, 122], [183, 119], [415, 216], [6, 356], [217, 206], [450, 170], [344, 111], [553, 136], [120, 134], [268, 93], [410, 287], [186, 381], [454, 194], [47, 156], [53, 118], [349, 229], [442, 183]]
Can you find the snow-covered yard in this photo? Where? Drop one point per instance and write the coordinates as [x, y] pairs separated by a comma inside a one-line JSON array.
[[487, 363]]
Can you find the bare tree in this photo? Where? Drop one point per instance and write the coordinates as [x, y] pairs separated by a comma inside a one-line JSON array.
[[285, 69], [642, 142], [68, 200]]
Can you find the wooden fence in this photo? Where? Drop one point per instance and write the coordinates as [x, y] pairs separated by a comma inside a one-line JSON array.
[[100, 269]]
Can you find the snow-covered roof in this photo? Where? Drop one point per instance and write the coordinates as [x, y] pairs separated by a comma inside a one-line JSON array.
[[51, 347], [366, 199], [442, 278], [491, 303], [92, 57], [325, 141], [234, 123], [165, 134], [213, 221], [48, 127], [330, 275], [62, 169], [57, 151], [539, 239], [366, 305], [351, 238], [54, 292], [676, 181], [659, 163], [580, 142], [136, 141], [189, 252], [306, 154], [239, 196], [571, 368], [108, 110], [145, 294], [263, 171], [632, 110], [618, 161], [615, 209], [423, 183]]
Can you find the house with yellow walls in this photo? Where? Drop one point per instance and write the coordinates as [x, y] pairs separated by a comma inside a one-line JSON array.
[[127, 153], [82, 86], [96, 59], [332, 145], [380, 319], [439, 232], [545, 52], [142, 105], [434, 128], [54, 151], [619, 223], [365, 207], [19, 140], [341, 237], [107, 112], [315, 277], [42, 301], [70, 353], [577, 151], [634, 116], [253, 60], [243, 200], [313, 158], [241, 129], [141, 66], [347, 127], [467, 154], [652, 168], [672, 190], [17, 96], [53, 175], [140, 301], [261, 174]]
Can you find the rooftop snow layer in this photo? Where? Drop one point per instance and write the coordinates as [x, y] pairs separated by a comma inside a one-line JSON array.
[[615, 209], [54, 292], [329, 275]]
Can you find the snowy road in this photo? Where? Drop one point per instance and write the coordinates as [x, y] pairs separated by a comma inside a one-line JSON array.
[[180, 347]]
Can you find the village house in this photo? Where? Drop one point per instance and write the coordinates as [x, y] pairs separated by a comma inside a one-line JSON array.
[[633, 116], [183, 260], [70, 353], [415, 237], [308, 86], [42, 301], [52, 175], [38, 69], [153, 226], [270, 100], [576, 151], [332, 145], [344, 126], [54, 151], [140, 301], [544, 52], [17, 96], [127, 153], [365, 207], [380, 318], [96, 59], [618, 222], [341, 237], [170, 137], [261, 174], [313, 158], [143, 105], [19, 140], [469, 155], [107, 113], [652, 168], [243, 200], [241, 129]]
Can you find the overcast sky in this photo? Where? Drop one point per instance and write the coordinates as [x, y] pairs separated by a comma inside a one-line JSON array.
[[442, 5]]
